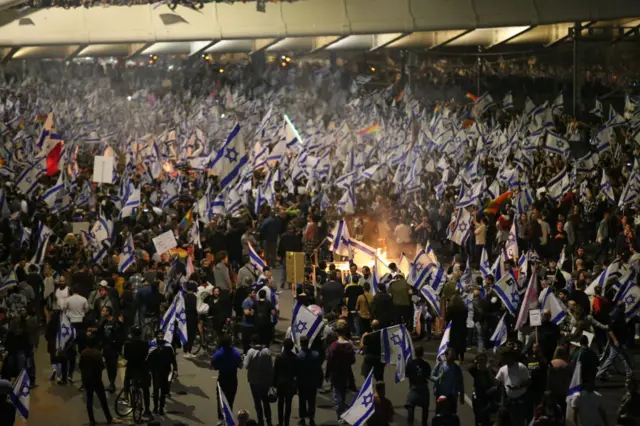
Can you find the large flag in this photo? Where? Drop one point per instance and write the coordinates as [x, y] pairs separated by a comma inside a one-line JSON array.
[[20, 394], [607, 189], [556, 144], [444, 343], [507, 291], [175, 313], [28, 180], [397, 348], [127, 254], [66, 333], [133, 202], [530, 297], [433, 298], [612, 271], [44, 232], [304, 323], [225, 408], [51, 195], [499, 336], [363, 407], [556, 308], [461, 228], [255, 259], [230, 158], [340, 239]]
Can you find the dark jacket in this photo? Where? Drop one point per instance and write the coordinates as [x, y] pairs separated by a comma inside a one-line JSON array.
[[284, 372], [382, 308], [332, 295], [91, 366], [290, 241], [308, 369]]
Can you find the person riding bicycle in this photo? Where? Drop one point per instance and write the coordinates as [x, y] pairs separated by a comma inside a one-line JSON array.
[[135, 353]]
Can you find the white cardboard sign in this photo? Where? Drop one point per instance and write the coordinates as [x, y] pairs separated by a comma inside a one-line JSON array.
[[165, 242], [103, 169], [535, 319]]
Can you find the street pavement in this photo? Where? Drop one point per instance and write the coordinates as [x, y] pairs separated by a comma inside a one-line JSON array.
[[193, 397]]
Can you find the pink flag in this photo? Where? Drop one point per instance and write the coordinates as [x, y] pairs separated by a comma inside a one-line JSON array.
[[190, 268], [530, 297]]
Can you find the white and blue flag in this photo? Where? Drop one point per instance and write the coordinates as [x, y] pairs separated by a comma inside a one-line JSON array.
[[507, 291], [499, 336], [132, 202], [556, 144], [20, 394], [575, 386], [175, 314], [485, 266], [304, 323], [255, 259], [444, 343], [44, 232], [363, 406], [461, 228], [340, 239], [225, 408], [397, 349], [607, 189], [433, 298], [127, 254], [66, 332], [230, 158]]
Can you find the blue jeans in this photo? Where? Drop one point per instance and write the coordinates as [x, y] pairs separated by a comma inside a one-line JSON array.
[[613, 353], [339, 398]]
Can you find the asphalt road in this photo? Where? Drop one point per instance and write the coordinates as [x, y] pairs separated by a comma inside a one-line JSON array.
[[193, 399]]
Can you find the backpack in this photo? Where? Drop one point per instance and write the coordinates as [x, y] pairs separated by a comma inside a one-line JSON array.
[[263, 313]]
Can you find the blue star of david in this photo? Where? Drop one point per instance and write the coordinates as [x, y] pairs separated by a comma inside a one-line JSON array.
[[630, 299], [463, 226], [419, 266], [25, 390], [301, 326], [181, 316], [396, 339], [560, 144], [511, 237], [231, 155], [28, 179], [367, 399], [65, 331], [515, 297]]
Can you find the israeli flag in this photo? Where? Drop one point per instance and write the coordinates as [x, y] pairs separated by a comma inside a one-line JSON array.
[[433, 298], [575, 386], [363, 407], [397, 348], [511, 246], [194, 235], [225, 408], [462, 227], [127, 254], [52, 194], [507, 291], [66, 333], [556, 144], [44, 232], [631, 190], [133, 202], [28, 180], [230, 158], [485, 266], [444, 343], [9, 281], [255, 259], [499, 336], [304, 323], [20, 394], [607, 189], [346, 205], [175, 313], [559, 185], [613, 270], [557, 108], [437, 278], [340, 239], [556, 308], [420, 269], [598, 109]]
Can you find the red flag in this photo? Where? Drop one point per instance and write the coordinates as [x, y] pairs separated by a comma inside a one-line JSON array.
[[53, 157]]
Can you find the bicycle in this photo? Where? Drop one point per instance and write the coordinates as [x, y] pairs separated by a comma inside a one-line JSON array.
[[130, 402]]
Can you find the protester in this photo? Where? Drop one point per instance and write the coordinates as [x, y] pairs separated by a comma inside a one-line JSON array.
[[226, 361], [259, 368]]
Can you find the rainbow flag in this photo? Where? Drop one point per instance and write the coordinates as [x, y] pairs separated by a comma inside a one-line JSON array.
[[472, 97], [496, 204], [370, 131], [186, 222]]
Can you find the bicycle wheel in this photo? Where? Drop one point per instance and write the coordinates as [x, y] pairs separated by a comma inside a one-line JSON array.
[[210, 341], [197, 344], [137, 405], [122, 405]]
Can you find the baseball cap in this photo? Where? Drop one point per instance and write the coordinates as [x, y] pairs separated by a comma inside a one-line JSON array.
[[103, 283]]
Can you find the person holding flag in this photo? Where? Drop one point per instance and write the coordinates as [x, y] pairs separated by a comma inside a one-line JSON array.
[[448, 379]]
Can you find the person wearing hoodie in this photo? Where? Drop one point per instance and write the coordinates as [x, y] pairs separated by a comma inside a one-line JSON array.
[[223, 279]]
